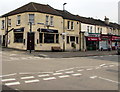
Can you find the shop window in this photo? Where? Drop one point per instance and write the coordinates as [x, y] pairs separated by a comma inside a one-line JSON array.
[[72, 25], [18, 20], [68, 39], [3, 22], [72, 38], [41, 37], [68, 25], [18, 37], [48, 38], [9, 22], [31, 18], [77, 40], [57, 38]]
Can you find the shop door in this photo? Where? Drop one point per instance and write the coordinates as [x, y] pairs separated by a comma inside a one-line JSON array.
[[30, 41], [3, 40]]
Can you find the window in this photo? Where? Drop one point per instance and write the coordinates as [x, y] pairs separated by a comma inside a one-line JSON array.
[[3, 22], [68, 25], [72, 25], [88, 29], [47, 18], [41, 37], [101, 30], [31, 18], [98, 30], [18, 37], [91, 29], [57, 38], [48, 38], [18, 20], [9, 22], [68, 39], [77, 40], [72, 38], [51, 20]]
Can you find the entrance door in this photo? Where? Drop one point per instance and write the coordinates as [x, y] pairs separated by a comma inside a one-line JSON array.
[[3, 40], [30, 41]]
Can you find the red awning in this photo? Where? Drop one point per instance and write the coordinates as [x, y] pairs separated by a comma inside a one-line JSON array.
[[93, 38], [115, 38]]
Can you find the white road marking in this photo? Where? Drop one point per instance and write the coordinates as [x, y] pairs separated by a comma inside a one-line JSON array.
[[105, 66], [102, 65], [57, 73], [97, 67], [31, 81], [70, 72], [89, 69], [111, 65], [11, 79], [109, 80], [60, 70], [13, 54], [63, 76], [101, 56], [80, 70], [24, 58], [28, 77], [69, 69], [12, 83], [14, 58], [77, 74], [45, 75], [93, 77], [50, 78], [8, 75]]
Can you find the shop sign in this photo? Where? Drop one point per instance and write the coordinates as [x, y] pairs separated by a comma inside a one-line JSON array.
[[94, 35], [19, 30], [115, 38], [94, 39]]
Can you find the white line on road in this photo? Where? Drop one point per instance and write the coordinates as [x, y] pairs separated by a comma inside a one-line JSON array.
[[77, 74], [31, 81], [105, 66], [102, 65], [28, 77], [60, 70], [109, 80], [89, 69], [63, 76], [111, 65], [50, 78], [12, 83], [57, 73], [70, 72], [45, 75], [11, 79], [93, 77], [8, 75], [97, 67], [80, 70]]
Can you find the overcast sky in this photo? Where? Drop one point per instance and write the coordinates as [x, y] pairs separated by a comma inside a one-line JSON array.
[[88, 8]]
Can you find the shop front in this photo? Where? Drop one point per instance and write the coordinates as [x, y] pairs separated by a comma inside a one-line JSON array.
[[92, 41], [115, 40]]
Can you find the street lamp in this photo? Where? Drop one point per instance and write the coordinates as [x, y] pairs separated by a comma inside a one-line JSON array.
[[30, 35], [64, 6]]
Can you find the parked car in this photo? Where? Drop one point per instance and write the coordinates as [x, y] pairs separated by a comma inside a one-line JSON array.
[[118, 51]]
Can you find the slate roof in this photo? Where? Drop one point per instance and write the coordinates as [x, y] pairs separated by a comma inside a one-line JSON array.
[[34, 7]]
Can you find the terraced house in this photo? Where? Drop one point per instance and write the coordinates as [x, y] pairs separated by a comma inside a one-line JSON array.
[[41, 27]]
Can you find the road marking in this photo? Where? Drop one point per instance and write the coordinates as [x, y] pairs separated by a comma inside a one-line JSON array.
[[11, 79], [31, 81], [23, 58], [45, 75], [14, 58], [77, 74], [80, 70], [63, 76], [70, 72], [13, 54], [69, 69], [29, 77], [111, 65], [97, 67], [102, 65], [89, 69], [105, 66], [57, 73], [50, 78], [60, 70], [93, 77], [8, 75], [12, 83], [109, 80]]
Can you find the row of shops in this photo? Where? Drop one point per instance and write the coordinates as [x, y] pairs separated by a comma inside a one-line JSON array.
[[96, 41]]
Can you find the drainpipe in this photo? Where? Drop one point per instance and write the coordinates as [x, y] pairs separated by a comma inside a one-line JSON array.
[[6, 31]]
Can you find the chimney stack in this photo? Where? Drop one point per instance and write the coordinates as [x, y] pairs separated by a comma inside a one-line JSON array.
[[106, 20]]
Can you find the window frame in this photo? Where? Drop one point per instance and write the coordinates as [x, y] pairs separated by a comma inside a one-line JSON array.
[[3, 24], [15, 41], [33, 19], [18, 19], [9, 22]]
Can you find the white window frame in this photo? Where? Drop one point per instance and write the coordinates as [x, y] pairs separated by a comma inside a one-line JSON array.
[[47, 20], [72, 25], [9, 22], [32, 20], [88, 29], [51, 20], [3, 24], [18, 19]]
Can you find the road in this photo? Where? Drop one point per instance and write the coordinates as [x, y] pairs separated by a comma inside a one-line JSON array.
[[27, 72]]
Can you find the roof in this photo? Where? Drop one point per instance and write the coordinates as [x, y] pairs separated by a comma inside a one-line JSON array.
[[34, 7]]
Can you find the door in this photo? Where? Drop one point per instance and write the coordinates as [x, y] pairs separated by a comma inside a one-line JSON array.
[[30, 41], [3, 40]]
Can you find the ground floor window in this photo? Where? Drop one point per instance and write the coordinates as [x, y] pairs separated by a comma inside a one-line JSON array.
[[72, 38], [48, 38], [18, 37], [92, 45]]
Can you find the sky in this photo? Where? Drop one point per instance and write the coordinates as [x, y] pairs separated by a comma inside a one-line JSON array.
[[97, 9]]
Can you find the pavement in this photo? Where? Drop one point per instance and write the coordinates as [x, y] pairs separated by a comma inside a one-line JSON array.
[[62, 54]]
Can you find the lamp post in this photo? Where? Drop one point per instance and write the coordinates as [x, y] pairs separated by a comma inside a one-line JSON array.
[[64, 29], [30, 35]]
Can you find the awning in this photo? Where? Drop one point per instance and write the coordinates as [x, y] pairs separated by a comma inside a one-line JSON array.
[[48, 30], [115, 38], [93, 38]]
